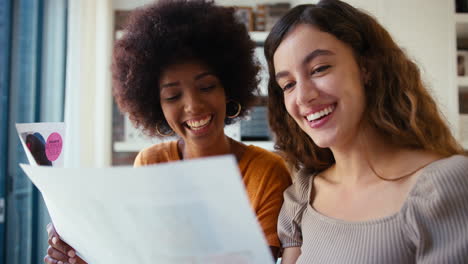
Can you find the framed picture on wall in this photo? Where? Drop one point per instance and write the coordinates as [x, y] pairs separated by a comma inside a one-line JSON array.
[[245, 15], [462, 62], [461, 6]]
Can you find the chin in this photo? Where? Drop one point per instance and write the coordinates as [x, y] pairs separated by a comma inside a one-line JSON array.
[[322, 142]]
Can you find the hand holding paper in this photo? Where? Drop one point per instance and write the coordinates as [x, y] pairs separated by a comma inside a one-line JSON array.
[[59, 250], [194, 211]]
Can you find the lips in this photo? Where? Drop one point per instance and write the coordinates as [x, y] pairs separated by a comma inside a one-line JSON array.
[[199, 123]]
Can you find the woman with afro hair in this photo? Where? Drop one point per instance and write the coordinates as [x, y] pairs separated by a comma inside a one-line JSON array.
[[186, 68]]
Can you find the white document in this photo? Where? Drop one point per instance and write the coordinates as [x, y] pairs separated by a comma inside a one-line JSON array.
[[187, 212], [43, 142]]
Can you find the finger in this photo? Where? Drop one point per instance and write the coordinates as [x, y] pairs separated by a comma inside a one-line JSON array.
[[76, 260], [49, 260], [63, 247], [51, 230], [56, 255]]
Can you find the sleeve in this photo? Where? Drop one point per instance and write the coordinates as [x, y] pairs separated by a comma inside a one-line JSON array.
[[277, 180], [437, 216], [139, 161], [150, 155], [290, 217]]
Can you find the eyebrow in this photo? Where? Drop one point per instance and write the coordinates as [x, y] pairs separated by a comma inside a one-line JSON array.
[[203, 74], [314, 54], [197, 77]]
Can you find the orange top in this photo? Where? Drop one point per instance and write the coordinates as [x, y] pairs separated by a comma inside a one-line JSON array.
[[264, 174]]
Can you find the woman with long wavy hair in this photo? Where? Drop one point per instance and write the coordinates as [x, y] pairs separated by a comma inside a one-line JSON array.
[[380, 177]]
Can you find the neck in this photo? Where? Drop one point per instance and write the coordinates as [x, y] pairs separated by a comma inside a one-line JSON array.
[[190, 149], [353, 160]]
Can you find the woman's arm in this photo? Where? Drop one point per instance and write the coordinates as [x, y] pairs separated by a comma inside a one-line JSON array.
[[437, 217], [290, 255]]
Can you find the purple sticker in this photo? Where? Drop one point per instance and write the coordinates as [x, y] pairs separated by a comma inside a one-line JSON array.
[[53, 146]]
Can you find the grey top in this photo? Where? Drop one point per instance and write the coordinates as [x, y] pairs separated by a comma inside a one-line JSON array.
[[431, 227]]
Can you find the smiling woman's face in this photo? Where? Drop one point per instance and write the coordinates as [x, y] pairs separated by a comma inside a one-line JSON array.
[[322, 85], [193, 102]]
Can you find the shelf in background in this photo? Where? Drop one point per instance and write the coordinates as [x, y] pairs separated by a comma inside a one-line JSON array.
[[258, 36], [463, 83], [131, 146], [461, 20], [464, 130], [139, 145], [268, 145]]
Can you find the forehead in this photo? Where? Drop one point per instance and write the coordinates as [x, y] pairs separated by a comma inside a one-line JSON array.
[[183, 70], [304, 39]]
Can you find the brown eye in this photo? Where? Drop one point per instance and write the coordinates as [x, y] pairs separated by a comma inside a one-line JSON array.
[[321, 69], [288, 86], [207, 88], [172, 98]]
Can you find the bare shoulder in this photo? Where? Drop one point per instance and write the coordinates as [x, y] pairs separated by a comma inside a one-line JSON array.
[[441, 174], [419, 157], [413, 161]]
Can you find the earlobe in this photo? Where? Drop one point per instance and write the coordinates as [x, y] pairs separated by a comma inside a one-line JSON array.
[[233, 109]]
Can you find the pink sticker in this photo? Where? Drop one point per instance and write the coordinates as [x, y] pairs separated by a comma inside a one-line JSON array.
[[53, 146]]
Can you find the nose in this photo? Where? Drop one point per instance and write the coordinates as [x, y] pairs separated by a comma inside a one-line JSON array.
[[306, 92], [193, 103]]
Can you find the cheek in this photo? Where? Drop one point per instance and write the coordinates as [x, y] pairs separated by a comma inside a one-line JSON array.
[[164, 110], [289, 103], [286, 101], [218, 102], [221, 111], [356, 94], [329, 85], [169, 112]]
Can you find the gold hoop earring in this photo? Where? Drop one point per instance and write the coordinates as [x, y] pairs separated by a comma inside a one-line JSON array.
[[237, 106], [162, 134]]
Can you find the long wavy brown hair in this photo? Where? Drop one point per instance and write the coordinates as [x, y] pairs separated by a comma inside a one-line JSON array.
[[398, 105]]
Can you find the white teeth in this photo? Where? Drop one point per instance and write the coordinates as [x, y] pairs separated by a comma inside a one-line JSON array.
[[320, 114], [198, 124]]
